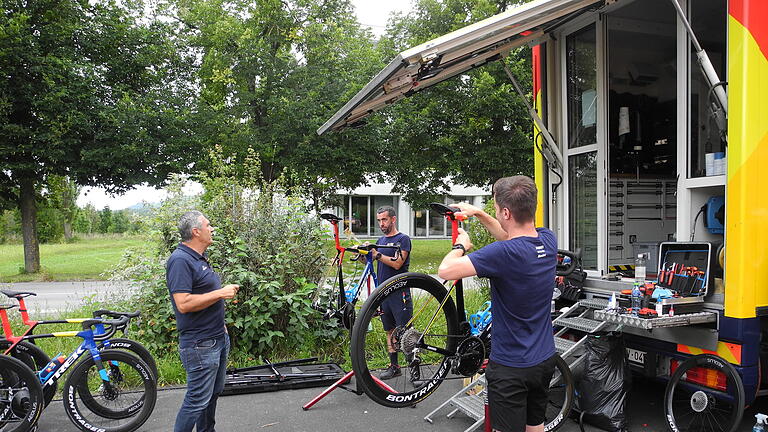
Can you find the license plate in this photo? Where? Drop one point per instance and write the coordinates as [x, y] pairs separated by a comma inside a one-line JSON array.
[[636, 356]]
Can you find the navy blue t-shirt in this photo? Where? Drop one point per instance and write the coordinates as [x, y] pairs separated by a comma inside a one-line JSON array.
[[189, 272], [522, 274], [383, 271]]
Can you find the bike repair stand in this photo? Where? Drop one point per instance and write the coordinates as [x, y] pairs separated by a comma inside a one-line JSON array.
[[341, 383]]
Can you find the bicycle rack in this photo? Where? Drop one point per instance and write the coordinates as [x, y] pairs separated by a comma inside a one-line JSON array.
[[293, 374]]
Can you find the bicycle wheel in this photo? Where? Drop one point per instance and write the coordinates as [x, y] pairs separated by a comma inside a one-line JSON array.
[[561, 394], [21, 396], [696, 407], [123, 405], [434, 319], [35, 359], [133, 347]]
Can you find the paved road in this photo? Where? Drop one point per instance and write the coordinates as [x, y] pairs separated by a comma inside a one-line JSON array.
[[345, 411], [61, 296]]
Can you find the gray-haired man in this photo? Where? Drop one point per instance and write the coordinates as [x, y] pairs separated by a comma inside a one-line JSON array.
[[198, 302]]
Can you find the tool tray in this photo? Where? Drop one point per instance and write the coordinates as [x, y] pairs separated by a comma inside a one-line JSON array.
[[675, 258], [294, 374]]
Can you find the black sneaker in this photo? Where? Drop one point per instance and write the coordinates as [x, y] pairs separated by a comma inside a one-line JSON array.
[[391, 372]]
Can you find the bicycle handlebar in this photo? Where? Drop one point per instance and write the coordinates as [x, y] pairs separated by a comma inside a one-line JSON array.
[[575, 262], [365, 249], [112, 326]]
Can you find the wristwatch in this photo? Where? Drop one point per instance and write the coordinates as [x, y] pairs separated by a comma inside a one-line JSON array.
[[378, 256], [460, 246]]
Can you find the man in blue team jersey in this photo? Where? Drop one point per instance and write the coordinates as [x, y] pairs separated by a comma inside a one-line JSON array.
[[398, 309], [521, 267], [198, 303]]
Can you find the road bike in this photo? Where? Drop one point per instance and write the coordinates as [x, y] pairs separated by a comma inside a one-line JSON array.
[[332, 297], [107, 390], [21, 396], [23, 347], [437, 340]]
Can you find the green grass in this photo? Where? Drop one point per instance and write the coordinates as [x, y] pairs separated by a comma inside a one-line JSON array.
[[85, 259], [427, 254]]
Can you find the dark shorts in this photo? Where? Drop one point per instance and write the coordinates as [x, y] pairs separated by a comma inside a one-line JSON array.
[[396, 309], [518, 396]]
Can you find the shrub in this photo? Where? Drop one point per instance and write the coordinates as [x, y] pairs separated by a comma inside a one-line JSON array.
[[264, 240]]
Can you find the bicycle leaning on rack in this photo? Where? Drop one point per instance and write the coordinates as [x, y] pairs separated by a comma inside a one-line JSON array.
[[107, 390], [23, 347], [438, 340], [332, 297]]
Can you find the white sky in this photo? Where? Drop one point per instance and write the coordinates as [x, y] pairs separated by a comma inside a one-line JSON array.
[[371, 13]]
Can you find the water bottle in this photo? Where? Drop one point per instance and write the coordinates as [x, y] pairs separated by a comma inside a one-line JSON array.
[[636, 298], [51, 367], [640, 268], [760, 424]]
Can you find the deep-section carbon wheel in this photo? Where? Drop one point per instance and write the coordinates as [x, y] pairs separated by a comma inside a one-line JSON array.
[[121, 405], [691, 406], [424, 345], [561, 393], [21, 396]]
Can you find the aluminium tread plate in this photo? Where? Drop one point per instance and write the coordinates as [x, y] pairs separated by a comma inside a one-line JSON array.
[[651, 323], [562, 345], [594, 303], [471, 405], [579, 323]]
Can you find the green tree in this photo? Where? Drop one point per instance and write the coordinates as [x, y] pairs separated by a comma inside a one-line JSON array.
[[105, 220], [91, 90], [120, 222], [62, 193], [472, 128], [270, 74]]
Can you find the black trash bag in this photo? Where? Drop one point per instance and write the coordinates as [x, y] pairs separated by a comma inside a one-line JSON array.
[[602, 389]]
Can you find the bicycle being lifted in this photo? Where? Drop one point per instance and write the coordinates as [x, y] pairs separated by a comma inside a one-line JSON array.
[[437, 340], [332, 296]]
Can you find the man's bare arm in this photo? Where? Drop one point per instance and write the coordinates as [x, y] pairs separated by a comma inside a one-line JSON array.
[[455, 265], [396, 264], [188, 302], [489, 222]]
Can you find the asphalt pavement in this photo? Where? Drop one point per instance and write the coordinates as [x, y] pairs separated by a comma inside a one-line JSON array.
[[346, 411], [55, 297]]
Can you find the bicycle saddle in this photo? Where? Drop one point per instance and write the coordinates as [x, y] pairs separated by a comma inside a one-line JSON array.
[[17, 294], [444, 209], [330, 217]]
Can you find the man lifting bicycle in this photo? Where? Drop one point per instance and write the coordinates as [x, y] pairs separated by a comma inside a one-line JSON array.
[[521, 267], [399, 310]]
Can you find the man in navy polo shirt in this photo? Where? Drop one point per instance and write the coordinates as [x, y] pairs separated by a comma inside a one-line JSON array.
[[198, 302], [396, 310], [521, 267]]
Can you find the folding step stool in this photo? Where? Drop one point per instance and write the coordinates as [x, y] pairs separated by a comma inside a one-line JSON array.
[[473, 405]]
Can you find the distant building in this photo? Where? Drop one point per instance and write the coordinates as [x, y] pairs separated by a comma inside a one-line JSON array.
[[359, 210]]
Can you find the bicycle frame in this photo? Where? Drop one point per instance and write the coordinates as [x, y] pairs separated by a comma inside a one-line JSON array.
[[344, 297], [32, 324]]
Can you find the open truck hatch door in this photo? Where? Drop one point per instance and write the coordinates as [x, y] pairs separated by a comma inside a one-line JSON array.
[[454, 53]]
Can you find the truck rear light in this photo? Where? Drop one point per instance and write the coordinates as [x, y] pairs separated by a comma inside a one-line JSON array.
[[703, 376]]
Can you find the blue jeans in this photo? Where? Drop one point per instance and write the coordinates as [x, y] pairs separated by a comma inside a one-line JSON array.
[[206, 366]]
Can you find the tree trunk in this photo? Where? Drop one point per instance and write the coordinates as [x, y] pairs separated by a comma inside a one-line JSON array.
[[67, 230], [29, 226]]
